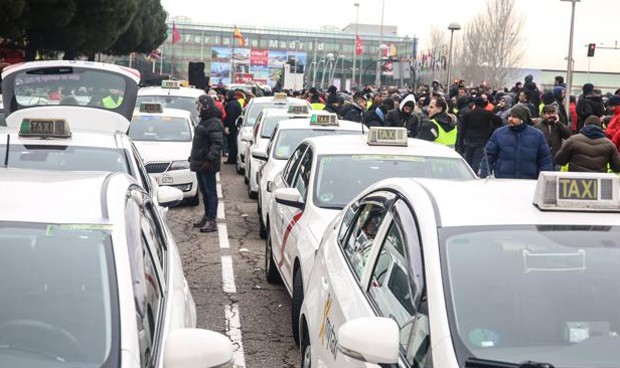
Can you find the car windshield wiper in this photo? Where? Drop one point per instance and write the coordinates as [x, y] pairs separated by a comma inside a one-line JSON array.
[[485, 363]]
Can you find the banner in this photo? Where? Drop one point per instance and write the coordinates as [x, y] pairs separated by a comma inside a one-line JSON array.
[[259, 57]]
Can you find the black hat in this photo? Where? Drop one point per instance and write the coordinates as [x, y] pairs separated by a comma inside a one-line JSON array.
[[587, 88], [613, 101], [205, 103]]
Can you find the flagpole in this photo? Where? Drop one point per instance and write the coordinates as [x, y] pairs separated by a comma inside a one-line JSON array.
[[161, 61], [232, 59]]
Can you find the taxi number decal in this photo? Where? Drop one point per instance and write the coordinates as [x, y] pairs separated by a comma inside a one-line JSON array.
[[388, 135], [327, 332], [582, 189]]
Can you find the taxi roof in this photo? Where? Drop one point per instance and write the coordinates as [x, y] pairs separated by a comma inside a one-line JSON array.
[[266, 99], [179, 92], [358, 144], [78, 138], [495, 202], [304, 123], [168, 113], [78, 194]]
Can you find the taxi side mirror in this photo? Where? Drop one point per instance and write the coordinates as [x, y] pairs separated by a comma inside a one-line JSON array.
[[197, 348], [169, 196], [357, 339], [259, 154], [289, 197]]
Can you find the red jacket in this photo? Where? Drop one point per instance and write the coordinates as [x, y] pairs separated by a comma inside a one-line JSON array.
[[220, 106], [613, 128], [573, 116]]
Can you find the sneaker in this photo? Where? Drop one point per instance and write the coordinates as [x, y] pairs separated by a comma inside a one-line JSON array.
[[209, 227], [201, 223]]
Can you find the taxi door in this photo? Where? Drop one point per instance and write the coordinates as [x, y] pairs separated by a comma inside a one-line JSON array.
[[342, 268], [290, 218]]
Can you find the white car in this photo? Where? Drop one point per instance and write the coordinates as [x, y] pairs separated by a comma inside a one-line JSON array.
[[484, 273], [263, 130], [286, 137], [322, 176], [93, 277], [164, 139], [250, 114], [171, 95]]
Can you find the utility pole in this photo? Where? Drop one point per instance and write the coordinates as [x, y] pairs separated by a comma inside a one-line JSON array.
[[569, 68], [357, 18], [380, 51]]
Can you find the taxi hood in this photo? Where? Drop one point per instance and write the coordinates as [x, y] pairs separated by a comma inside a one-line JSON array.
[[79, 118], [319, 220], [62, 83], [164, 151]]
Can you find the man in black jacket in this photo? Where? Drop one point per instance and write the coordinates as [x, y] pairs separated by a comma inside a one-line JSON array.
[[354, 111], [205, 159], [404, 116], [589, 103], [233, 111], [476, 129]]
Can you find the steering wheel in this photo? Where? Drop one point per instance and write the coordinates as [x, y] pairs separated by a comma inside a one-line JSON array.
[[41, 338]]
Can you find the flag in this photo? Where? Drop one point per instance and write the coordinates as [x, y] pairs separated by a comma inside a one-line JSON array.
[[359, 46], [237, 35], [176, 35]]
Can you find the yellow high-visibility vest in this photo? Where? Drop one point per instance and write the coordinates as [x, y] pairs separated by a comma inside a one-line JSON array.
[[443, 137]]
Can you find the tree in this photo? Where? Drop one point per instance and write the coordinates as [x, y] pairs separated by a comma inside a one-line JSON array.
[[492, 40], [42, 23], [11, 12], [147, 31]]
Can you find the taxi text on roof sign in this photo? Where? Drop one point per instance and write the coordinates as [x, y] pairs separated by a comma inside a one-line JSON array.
[[569, 191], [45, 128], [387, 136], [170, 84], [298, 109], [151, 108], [324, 120], [279, 97]]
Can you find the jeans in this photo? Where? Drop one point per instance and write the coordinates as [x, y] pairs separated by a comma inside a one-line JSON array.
[[208, 188], [472, 152]]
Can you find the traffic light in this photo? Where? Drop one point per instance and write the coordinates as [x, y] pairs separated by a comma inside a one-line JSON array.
[[591, 49]]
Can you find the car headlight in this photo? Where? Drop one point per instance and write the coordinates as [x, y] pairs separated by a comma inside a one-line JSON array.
[[179, 165]]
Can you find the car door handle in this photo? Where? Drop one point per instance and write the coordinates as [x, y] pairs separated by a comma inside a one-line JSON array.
[[324, 283]]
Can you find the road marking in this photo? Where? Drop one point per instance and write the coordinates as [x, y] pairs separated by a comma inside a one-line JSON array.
[[233, 331], [222, 233], [219, 191], [228, 275], [217, 177], [221, 214]]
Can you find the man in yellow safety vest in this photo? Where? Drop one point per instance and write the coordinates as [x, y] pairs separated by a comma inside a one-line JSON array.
[[441, 128], [113, 100]]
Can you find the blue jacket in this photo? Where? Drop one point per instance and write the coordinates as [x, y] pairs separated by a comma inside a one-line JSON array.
[[519, 152]]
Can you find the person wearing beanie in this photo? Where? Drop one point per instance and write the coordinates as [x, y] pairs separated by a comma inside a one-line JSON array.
[[205, 159], [554, 130], [516, 151], [405, 116], [590, 150], [377, 116], [333, 104], [589, 103], [476, 128]]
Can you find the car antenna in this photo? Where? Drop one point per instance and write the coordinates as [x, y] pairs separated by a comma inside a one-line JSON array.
[[6, 157]]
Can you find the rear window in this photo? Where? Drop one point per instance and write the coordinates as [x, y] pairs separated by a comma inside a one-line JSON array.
[[160, 129], [172, 102], [289, 139]]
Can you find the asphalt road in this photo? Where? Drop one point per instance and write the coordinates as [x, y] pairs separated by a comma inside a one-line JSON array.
[[253, 313]]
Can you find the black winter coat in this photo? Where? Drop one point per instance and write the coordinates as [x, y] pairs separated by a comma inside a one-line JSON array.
[[352, 112], [233, 111], [477, 125], [589, 105], [396, 118], [207, 144]]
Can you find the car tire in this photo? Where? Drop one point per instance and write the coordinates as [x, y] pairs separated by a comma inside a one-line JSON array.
[[306, 351], [298, 299], [271, 272], [240, 171], [262, 230], [195, 200], [252, 194]]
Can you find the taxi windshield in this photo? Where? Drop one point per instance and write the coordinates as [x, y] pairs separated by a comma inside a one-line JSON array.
[[2, 118], [58, 296], [339, 178], [257, 107], [534, 293], [65, 158], [289, 139], [172, 102], [159, 129], [269, 125]]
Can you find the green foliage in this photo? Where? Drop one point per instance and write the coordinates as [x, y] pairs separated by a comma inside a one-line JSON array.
[[11, 12], [147, 31]]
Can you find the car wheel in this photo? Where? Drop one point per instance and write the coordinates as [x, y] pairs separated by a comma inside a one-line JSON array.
[[195, 200], [240, 171], [306, 352], [246, 173], [271, 272], [252, 194], [262, 230], [298, 298]]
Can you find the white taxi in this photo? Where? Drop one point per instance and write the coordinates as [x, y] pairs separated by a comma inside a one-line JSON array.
[[263, 130], [171, 95], [322, 176], [164, 139], [99, 283], [484, 273], [285, 138], [246, 121]]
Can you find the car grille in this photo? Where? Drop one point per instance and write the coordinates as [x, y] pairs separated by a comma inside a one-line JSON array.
[[157, 167]]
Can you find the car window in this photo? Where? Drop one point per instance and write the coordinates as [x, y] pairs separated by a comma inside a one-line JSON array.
[[160, 129], [303, 174], [291, 167], [145, 179], [363, 232], [154, 232], [173, 102], [347, 220]]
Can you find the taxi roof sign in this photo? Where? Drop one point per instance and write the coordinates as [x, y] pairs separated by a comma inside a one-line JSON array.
[[298, 109], [279, 97], [387, 136], [324, 119], [170, 84], [572, 191], [44, 128], [151, 108]]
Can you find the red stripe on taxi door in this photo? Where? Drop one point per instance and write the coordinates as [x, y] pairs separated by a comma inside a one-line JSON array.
[[286, 234]]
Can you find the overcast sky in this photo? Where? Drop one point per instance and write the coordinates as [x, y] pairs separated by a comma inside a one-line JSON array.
[[545, 34]]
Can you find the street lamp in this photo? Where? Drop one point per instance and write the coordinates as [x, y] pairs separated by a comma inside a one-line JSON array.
[[452, 27], [331, 78], [328, 61], [314, 71], [377, 70], [357, 18], [569, 67], [382, 48]]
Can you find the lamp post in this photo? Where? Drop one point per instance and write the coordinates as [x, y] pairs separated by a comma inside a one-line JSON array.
[[328, 61], [357, 18], [452, 27], [382, 49], [314, 71], [331, 78], [378, 68], [569, 67]]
